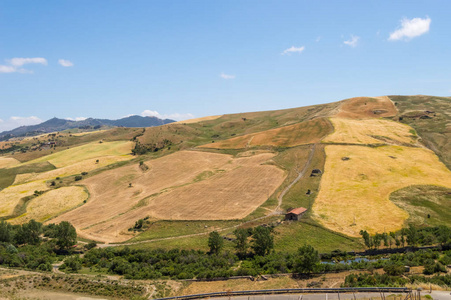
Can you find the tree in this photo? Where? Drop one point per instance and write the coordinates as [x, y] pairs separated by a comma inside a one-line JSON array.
[[66, 235], [307, 259], [241, 244], [215, 242], [366, 238], [412, 236], [5, 232], [29, 233], [262, 240]]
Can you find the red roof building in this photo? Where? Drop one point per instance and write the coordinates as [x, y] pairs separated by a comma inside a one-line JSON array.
[[295, 214]]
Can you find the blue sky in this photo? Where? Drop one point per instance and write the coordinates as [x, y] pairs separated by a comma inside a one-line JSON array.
[[181, 59]]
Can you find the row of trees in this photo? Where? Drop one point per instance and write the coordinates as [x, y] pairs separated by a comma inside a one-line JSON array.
[[412, 236], [30, 233], [262, 241]]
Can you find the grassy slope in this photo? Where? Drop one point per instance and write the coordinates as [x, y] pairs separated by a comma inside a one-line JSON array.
[[423, 200], [7, 176], [436, 131]]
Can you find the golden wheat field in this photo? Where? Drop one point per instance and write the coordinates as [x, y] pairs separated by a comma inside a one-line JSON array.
[[369, 131], [197, 120], [10, 196], [89, 151], [76, 168], [288, 136], [52, 203], [354, 193], [6, 162], [183, 185]]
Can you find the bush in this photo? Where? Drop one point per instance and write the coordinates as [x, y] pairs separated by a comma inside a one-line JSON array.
[[78, 177]]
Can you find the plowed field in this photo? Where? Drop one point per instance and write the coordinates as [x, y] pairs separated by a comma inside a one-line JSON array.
[[186, 185]]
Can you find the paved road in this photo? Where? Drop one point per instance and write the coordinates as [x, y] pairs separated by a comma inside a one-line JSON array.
[[436, 295]]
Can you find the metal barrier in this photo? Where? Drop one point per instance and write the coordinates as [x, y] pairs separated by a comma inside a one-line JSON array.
[[294, 291]]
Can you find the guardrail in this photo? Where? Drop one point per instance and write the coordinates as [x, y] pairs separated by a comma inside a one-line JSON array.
[[294, 291]]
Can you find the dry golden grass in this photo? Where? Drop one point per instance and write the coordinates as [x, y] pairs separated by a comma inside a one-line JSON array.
[[197, 120], [360, 187], [369, 131], [185, 185], [11, 196], [6, 162], [366, 107], [88, 132], [88, 151], [288, 136], [52, 203], [83, 166]]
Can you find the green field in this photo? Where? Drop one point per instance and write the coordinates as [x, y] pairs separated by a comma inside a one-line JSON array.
[[7, 176], [426, 204]]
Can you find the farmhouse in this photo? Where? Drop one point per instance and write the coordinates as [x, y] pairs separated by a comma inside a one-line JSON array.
[[295, 214]]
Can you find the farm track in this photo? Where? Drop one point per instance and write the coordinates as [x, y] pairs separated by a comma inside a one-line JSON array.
[[276, 211]]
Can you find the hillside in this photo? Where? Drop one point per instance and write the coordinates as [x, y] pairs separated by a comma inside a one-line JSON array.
[[216, 173], [55, 124]]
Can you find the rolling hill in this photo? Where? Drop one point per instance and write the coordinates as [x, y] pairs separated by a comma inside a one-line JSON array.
[[56, 124], [216, 173]]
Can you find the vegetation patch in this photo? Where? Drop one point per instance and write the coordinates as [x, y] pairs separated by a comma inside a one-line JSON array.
[[425, 204], [12, 195], [8, 175]]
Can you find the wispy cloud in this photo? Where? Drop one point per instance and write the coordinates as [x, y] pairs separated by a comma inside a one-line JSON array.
[[353, 41], [14, 64], [318, 39], [226, 76], [65, 63], [173, 116], [410, 28], [15, 122], [293, 49]]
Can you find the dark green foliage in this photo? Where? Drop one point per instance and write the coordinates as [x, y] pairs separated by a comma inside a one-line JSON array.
[[394, 268], [78, 178], [66, 236], [215, 242], [307, 260], [262, 240], [71, 264], [241, 244]]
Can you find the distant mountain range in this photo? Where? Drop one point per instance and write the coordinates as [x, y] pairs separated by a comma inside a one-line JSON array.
[[56, 124]]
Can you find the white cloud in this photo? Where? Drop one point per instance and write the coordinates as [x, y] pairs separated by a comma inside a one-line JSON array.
[[226, 76], [14, 64], [353, 41], [410, 29], [65, 63], [174, 116], [15, 122], [76, 119], [293, 49]]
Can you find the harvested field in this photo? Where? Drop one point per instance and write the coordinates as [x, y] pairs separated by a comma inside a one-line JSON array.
[[77, 168], [88, 151], [366, 107], [354, 193], [370, 131], [52, 203], [11, 196], [289, 136], [186, 185], [6, 162], [197, 120]]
